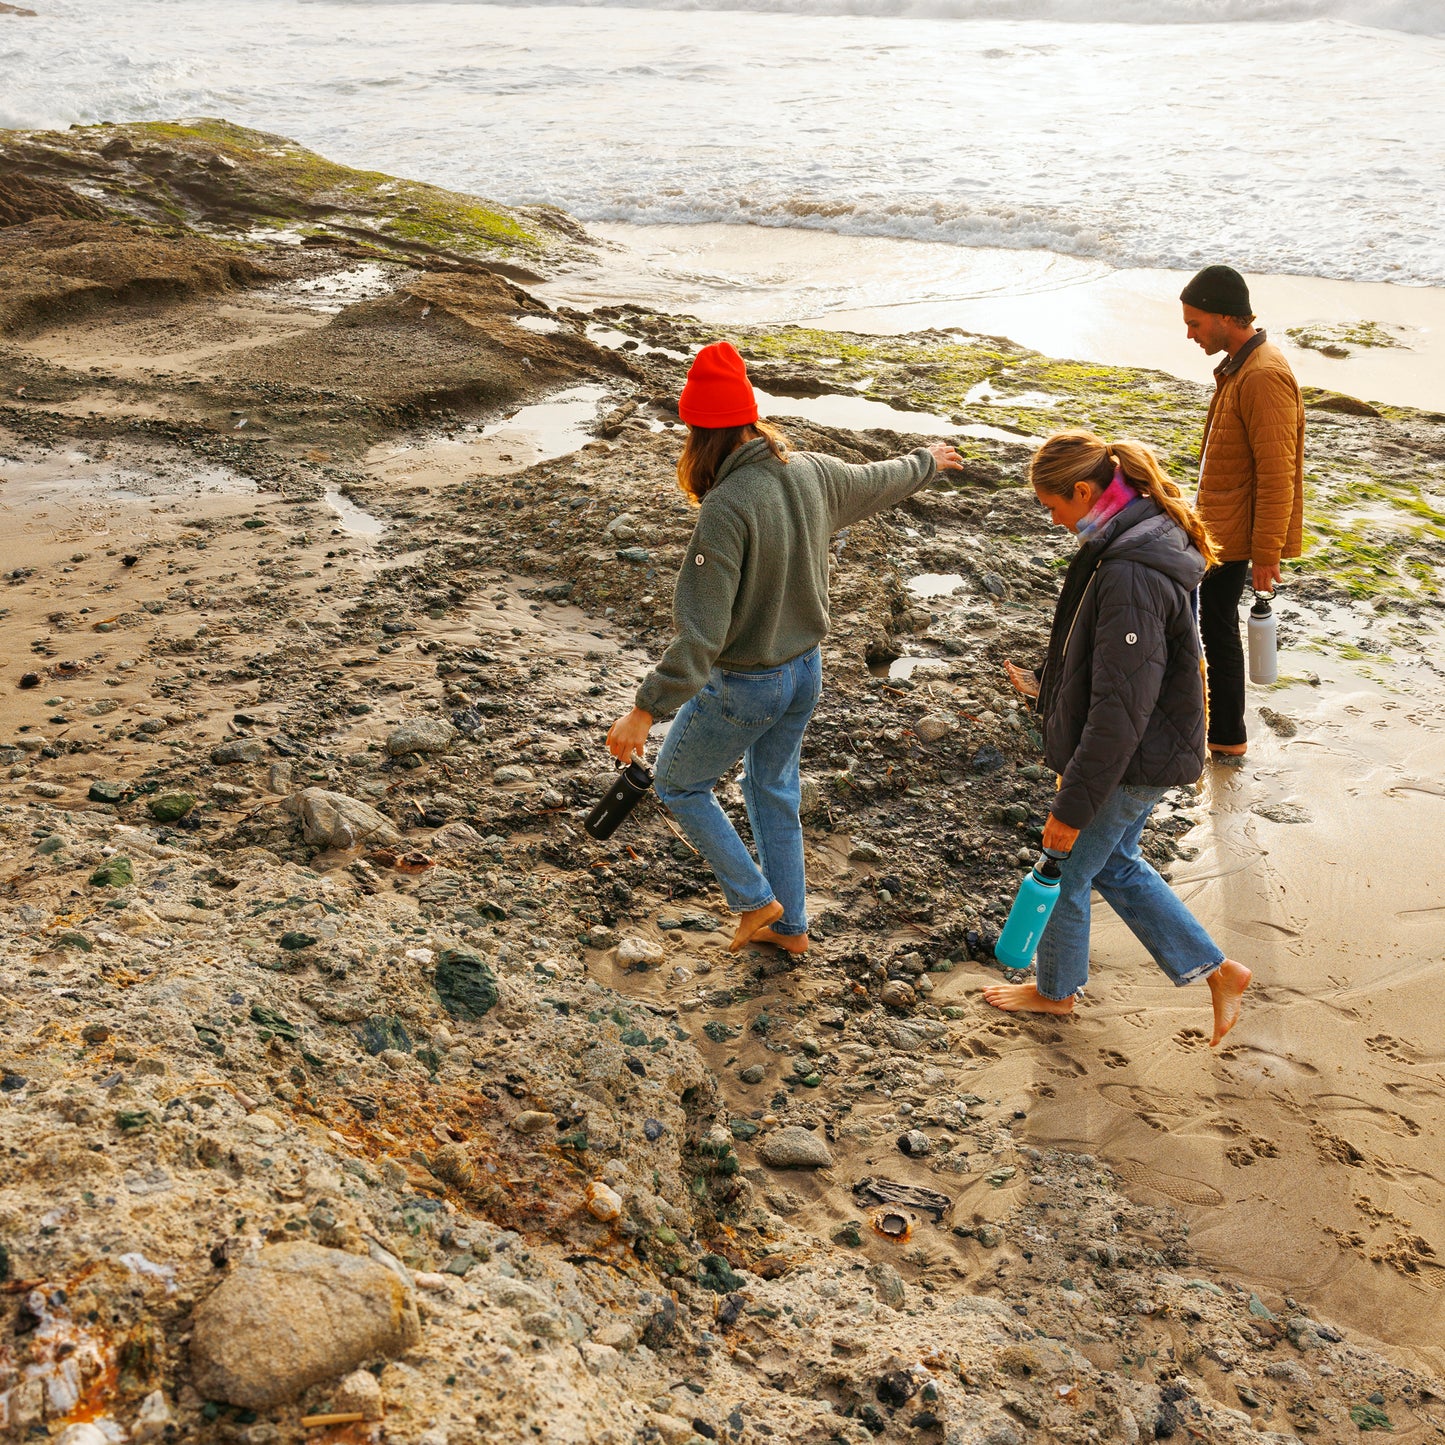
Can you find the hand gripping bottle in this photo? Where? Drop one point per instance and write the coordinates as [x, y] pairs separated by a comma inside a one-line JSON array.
[[1263, 640], [1026, 919], [622, 796]]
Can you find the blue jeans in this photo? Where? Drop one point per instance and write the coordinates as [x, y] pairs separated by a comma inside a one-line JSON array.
[[1106, 857], [760, 717]]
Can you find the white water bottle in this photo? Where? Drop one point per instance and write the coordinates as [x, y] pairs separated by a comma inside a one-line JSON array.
[[1263, 640]]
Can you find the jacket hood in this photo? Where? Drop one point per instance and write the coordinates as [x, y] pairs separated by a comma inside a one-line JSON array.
[[747, 455], [1146, 536]]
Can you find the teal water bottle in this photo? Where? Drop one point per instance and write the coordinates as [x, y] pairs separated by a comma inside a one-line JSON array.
[[1026, 919]]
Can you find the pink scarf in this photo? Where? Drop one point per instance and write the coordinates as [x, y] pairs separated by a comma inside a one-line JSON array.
[[1112, 500]]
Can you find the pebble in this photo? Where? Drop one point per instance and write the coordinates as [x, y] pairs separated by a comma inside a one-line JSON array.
[[244, 750], [359, 1393], [933, 726], [333, 820], [512, 773], [602, 1202], [793, 1147], [421, 735]]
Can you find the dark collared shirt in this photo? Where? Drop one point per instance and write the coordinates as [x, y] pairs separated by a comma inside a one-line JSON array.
[[1231, 364]]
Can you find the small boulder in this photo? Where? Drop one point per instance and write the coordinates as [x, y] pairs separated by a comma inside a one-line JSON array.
[[332, 820], [793, 1147], [171, 807], [294, 1315], [359, 1394], [421, 735], [933, 726], [639, 952], [465, 984], [243, 750], [113, 873]]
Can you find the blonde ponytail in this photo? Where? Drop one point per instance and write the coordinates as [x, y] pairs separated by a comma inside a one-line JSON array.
[[1070, 457]]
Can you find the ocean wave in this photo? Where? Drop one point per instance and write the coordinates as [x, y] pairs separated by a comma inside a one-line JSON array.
[[1032, 228], [1416, 17]]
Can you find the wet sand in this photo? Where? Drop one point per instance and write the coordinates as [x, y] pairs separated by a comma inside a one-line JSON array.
[[1306, 1153], [1060, 305]]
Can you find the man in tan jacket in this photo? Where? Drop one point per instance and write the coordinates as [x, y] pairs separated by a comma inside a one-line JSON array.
[[1251, 480]]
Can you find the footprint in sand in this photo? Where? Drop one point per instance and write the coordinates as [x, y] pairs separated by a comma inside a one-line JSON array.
[[1272, 1065], [1191, 1038], [1113, 1060], [1402, 1051], [1174, 1186]]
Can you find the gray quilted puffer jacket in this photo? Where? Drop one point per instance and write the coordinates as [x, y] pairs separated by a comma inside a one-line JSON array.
[[1126, 705]]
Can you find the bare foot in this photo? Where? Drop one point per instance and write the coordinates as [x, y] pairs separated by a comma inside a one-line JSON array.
[[1024, 998], [752, 921], [1226, 987], [1229, 750], [792, 942]]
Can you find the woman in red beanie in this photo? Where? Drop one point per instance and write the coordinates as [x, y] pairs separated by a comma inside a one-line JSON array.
[[744, 674]]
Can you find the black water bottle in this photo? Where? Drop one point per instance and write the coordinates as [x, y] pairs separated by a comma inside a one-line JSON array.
[[619, 800]]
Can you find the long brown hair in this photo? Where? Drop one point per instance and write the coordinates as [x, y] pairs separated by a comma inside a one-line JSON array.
[[708, 447], [1071, 457]]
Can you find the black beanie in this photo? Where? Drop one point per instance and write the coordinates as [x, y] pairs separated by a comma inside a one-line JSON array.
[[1220, 289]]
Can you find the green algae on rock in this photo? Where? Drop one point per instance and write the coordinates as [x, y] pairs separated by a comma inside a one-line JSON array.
[[1373, 528], [1337, 339], [210, 173]]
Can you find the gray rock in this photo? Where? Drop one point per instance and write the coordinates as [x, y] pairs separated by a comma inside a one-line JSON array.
[[512, 773], [793, 1147], [753, 1074], [888, 1284], [332, 820], [811, 797], [243, 750], [293, 1315], [421, 735]]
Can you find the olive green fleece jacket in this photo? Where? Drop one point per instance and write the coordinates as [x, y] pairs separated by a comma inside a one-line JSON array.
[[753, 589]]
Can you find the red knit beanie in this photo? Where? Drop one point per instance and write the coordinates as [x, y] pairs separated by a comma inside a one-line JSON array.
[[717, 392]]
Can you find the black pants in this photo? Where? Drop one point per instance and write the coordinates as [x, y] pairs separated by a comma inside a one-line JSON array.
[[1219, 596]]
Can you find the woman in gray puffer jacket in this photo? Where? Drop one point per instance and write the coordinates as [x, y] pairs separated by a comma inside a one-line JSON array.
[[1121, 701]]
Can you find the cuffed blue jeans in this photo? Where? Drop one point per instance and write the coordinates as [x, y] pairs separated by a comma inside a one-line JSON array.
[[759, 717], [1106, 857]]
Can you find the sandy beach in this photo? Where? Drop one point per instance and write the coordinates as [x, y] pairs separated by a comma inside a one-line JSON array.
[[1064, 306], [371, 521]]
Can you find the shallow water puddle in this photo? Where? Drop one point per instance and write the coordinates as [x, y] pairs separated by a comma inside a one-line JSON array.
[[856, 413], [542, 325], [73, 478], [552, 428], [337, 290], [935, 584], [616, 340], [534, 434], [902, 668], [986, 394], [353, 520]]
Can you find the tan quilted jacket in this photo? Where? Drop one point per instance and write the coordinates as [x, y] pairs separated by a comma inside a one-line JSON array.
[[1251, 475]]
